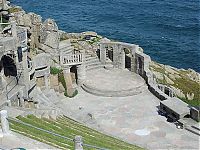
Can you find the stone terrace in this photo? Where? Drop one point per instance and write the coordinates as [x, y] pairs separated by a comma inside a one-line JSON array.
[[134, 119]]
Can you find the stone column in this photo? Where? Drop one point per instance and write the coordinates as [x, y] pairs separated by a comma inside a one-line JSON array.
[[14, 31], [102, 54], [4, 122], [21, 100], [133, 65], [123, 57], [68, 80], [81, 71], [115, 55], [78, 143], [46, 81]]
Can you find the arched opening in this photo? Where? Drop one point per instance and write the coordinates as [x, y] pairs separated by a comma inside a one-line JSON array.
[[167, 91], [127, 58], [109, 52], [8, 64], [74, 75]]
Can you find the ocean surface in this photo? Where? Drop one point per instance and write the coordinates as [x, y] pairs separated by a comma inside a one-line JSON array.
[[167, 30]]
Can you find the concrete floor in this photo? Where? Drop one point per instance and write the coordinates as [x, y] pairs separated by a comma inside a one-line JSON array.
[[133, 119], [113, 80]]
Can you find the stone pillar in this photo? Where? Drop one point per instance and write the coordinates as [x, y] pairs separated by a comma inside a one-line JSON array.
[[81, 71], [21, 100], [115, 55], [26, 78], [14, 31], [68, 80], [46, 81], [123, 57], [102, 54], [4, 122], [78, 143], [133, 67]]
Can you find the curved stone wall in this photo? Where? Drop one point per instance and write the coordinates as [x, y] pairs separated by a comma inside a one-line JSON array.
[[139, 64]]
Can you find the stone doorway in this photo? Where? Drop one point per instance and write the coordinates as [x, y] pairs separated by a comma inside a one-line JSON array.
[[109, 53], [74, 75]]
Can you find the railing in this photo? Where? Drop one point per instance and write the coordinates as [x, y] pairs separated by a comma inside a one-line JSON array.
[[72, 59]]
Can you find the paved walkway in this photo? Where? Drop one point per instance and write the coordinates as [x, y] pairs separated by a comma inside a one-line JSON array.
[[134, 119], [15, 140]]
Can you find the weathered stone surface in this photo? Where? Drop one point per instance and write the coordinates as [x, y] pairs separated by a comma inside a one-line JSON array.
[[54, 80], [61, 88], [52, 40], [50, 25], [178, 92], [40, 82], [168, 80], [195, 76], [190, 96]]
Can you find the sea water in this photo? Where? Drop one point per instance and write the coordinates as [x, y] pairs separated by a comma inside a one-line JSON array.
[[167, 30]]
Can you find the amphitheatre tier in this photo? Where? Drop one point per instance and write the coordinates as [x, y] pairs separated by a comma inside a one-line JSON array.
[[113, 83]]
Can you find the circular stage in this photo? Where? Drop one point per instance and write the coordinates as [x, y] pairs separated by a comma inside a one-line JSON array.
[[113, 83]]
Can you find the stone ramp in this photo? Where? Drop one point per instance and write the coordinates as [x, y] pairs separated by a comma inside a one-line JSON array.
[[113, 83]]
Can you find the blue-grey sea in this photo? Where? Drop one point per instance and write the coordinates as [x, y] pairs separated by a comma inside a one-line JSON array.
[[167, 30]]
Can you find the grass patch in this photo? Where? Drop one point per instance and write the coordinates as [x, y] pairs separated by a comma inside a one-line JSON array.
[[73, 95], [69, 128], [54, 70]]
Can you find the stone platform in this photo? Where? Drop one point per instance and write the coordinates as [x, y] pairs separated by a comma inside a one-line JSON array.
[[113, 83]]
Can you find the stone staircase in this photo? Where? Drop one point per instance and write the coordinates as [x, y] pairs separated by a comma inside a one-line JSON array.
[[65, 47], [92, 61]]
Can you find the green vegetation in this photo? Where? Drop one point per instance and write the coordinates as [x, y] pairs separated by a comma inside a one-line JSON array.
[[69, 128], [184, 83], [54, 70], [14, 9], [63, 37], [94, 40], [61, 79], [73, 95]]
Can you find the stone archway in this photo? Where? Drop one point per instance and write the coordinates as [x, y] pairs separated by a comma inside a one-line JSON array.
[[7, 64]]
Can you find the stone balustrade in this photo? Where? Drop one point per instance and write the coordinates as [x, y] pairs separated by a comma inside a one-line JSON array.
[[72, 59]]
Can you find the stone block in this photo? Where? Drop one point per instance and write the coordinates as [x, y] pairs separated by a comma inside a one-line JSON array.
[[54, 80]]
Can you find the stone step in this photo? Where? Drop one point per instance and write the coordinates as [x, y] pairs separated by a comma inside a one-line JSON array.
[[193, 130], [93, 64], [124, 93], [66, 51], [94, 67], [196, 127], [91, 58], [93, 61]]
